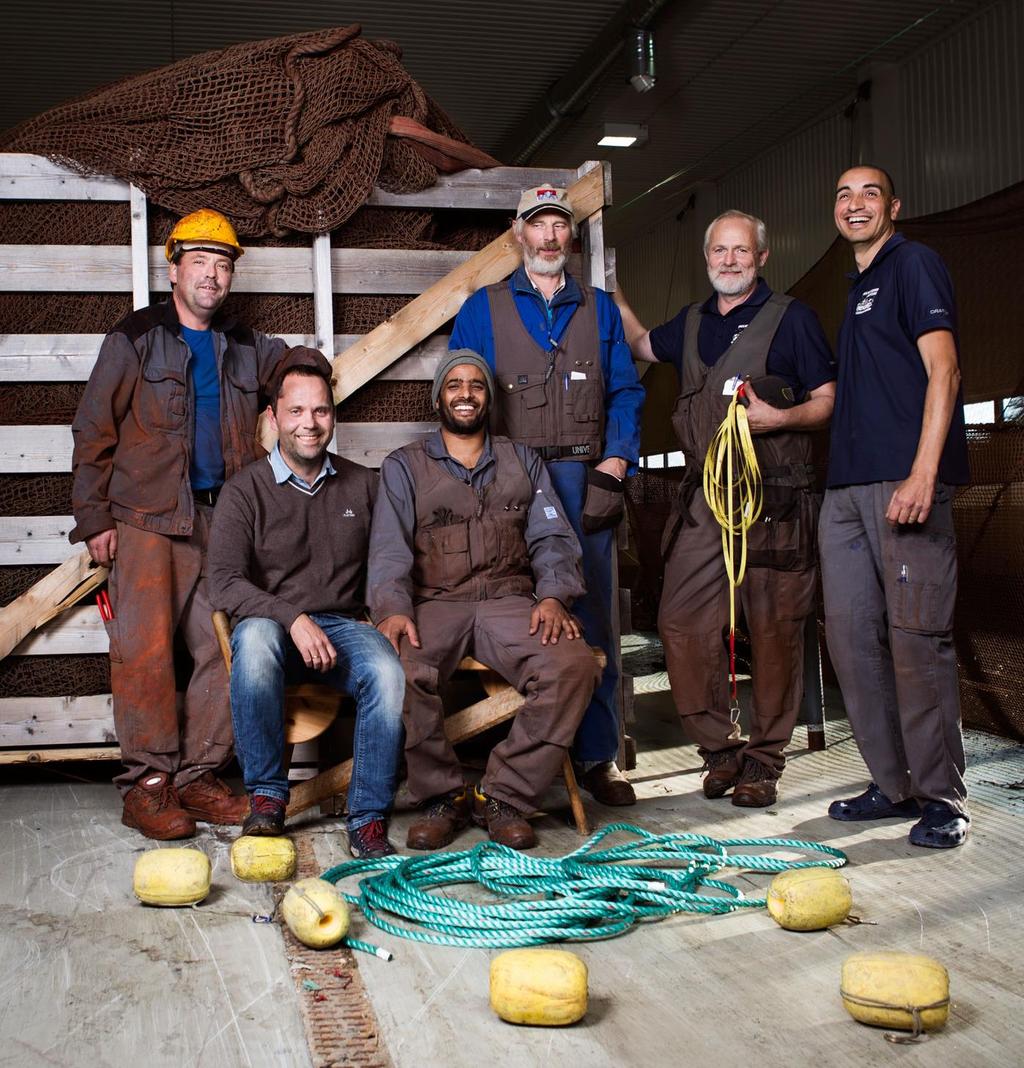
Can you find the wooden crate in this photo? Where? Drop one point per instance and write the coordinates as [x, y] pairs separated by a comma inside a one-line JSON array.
[[58, 727]]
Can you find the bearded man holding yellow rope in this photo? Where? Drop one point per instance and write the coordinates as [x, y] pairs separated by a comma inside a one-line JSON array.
[[743, 345]]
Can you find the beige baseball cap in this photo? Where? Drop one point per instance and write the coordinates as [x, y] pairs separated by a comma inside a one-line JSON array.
[[543, 198]]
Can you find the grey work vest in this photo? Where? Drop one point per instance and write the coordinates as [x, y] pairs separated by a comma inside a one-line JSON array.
[[552, 401], [785, 536], [469, 546]]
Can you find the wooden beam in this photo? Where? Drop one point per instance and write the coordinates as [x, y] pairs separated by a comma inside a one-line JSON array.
[[44, 756], [47, 449], [50, 596], [35, 539], [433, 308], [28, 177], [323, 295], [71, 357], [34, 721], [140, 250]]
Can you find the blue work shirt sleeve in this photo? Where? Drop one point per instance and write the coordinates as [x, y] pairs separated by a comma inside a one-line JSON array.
[[389, 569], [624, 396], [554, 549], [472, 328]]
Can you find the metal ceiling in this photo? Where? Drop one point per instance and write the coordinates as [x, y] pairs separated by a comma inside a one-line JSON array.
[[734, 76]]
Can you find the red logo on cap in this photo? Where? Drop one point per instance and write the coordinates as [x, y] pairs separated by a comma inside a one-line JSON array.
[[547, 194]]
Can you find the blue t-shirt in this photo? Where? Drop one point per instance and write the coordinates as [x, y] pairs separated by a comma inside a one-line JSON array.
[[876, 425], [799, 353], [207, 467]]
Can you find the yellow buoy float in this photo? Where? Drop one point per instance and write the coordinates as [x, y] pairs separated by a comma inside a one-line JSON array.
[[259, 859], [315, 913], [809, 899], [904, 991], [172, 877], [543, 987]]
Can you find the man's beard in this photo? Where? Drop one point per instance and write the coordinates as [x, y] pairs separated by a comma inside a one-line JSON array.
[[732, 285], [536, 264], [450, 424]]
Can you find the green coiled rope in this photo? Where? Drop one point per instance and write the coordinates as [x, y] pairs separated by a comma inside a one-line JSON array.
[[588, 894]]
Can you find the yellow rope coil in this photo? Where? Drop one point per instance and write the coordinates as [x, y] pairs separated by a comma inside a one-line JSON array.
[[733, 490]]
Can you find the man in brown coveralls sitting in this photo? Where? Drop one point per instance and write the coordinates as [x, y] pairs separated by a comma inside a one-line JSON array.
[[470, 553]]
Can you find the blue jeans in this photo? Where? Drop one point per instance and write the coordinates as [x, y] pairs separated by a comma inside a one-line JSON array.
[[598, 736], [265, 660]]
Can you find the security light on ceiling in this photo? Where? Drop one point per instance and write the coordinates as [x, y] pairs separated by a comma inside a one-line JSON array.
[[623, 135]]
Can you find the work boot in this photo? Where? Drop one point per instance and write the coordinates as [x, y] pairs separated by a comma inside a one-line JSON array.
[[152, 807], [443, 817], [266, 817], [756, 787], [605, 783], [505, 824], [723, 772], [370, 841], [210, 800]]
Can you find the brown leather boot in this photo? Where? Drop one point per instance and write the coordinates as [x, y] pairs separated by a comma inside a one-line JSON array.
[[209, 799], [442, 819], [152, 807], [605, 783], [724, 772], [505, 824], [756, 788]]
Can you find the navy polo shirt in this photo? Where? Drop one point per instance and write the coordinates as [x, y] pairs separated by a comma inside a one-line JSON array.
[[799, 353], [904, 292]]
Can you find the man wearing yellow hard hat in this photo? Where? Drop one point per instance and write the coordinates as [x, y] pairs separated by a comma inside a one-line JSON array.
[[168, 414]]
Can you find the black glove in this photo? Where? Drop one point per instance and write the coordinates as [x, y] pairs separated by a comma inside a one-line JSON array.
[[604, 505]]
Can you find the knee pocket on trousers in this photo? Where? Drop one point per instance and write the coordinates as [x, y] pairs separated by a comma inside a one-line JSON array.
[[922, 607]]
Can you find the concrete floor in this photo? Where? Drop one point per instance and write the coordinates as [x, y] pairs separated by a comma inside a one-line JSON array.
[[90, 977]]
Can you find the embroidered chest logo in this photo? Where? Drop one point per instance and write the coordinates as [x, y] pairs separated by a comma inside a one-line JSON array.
[[739, 330], [348, 513], [866, 302]]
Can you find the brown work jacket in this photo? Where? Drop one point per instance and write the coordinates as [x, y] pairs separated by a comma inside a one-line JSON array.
[[134, 428], [469, 546]]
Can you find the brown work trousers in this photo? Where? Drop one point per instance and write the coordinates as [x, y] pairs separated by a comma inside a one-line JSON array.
[[889, 597], [693, 614], [557, 681], [158, 585]]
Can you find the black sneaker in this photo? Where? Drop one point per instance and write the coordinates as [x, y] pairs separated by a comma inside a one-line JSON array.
[[266, 816], [370, 840]]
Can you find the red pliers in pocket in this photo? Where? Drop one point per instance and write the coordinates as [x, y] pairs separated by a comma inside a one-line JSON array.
[[103, 604]]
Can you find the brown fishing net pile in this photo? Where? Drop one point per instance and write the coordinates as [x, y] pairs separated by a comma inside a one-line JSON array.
[[288, 137]]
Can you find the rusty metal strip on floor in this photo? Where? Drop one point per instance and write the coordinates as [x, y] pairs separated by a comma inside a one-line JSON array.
[[341, 1027]]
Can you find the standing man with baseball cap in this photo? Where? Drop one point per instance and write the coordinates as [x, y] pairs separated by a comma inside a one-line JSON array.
[[168, 414], [471, 553], [565, 385]]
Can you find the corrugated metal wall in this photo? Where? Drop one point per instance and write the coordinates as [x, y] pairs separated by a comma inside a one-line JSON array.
[[959, 104], [963, 113]]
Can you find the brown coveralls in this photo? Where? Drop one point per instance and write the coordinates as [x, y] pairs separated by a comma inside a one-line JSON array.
[[778, 591], [473, 589], [133, 436]]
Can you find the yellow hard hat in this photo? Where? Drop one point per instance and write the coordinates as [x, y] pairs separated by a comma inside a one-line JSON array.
[[204, 228]]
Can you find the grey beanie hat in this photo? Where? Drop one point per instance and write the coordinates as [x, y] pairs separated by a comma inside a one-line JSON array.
[[453, 359]]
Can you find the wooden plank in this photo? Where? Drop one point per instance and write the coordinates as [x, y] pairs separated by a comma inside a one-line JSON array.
[[34, 721], [47, 449], [433, 308], [108, 269], [51, 595], [35, 539], [140, 237], [497, 188], [71, 357], [78, 630], [27, 177], [323, 296], [44, 756], [592, 231]]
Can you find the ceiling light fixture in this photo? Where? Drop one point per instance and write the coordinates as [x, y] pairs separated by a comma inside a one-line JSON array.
[[640, 59], [623, 135]]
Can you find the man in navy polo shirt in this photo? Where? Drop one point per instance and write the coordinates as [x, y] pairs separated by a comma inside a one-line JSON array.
[[887, 544], [742, 331]]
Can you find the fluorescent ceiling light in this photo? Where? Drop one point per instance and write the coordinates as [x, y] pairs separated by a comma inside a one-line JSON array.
[[623, 135]]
